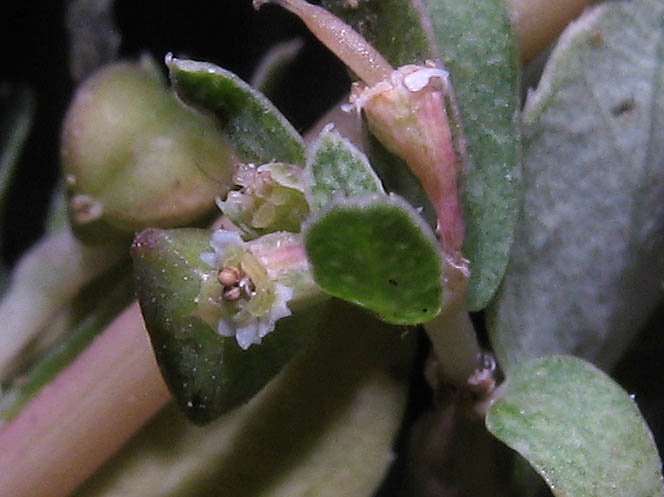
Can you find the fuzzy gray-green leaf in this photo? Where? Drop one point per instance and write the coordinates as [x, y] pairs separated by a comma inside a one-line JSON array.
[[477, 44], [375, 251], [581, 432], [257, 129], [337, 167], [475, 41], [588, 260]]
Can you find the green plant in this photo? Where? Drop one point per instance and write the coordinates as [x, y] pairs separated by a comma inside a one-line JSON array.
[[256, 326]]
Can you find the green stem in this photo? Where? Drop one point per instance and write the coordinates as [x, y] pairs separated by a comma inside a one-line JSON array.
[[455, 344]]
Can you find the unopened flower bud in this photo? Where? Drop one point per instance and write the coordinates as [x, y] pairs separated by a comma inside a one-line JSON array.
[[271, 198], [409, 114]]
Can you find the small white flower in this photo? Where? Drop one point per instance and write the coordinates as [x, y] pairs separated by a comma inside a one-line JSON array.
[[251, 318]]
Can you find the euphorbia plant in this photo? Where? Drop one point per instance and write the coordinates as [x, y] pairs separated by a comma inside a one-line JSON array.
[[415, 223]]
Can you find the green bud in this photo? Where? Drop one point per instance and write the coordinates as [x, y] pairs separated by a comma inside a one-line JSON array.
[[271, 199], [134, 156]]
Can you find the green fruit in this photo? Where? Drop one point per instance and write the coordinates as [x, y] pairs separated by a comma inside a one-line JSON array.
[[134, 156]]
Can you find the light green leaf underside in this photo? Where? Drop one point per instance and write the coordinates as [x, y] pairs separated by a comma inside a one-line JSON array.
[[337, 168], [257, 129], [376, 252], [474, 39], [588, 260], [581, 432]]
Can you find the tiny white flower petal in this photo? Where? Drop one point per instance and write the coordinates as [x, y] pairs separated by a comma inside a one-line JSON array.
[[222, 239], [265, 326], [417, 80], [209, 258], [247, 335], [225, 328]]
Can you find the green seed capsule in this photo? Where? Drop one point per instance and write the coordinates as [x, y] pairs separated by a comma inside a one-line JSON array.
[[134, 156]]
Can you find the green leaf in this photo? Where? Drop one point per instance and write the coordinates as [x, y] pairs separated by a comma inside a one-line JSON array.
[[325, 426], [375, 251], [207, 373], [475, 41], [578, 429], [46, 279], [337, 168], [588, 261], [257, 129]]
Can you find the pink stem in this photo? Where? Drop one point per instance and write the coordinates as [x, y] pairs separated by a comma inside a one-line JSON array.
[[85, 415]]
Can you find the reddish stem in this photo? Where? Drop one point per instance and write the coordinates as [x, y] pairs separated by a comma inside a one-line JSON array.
[[85, 415]]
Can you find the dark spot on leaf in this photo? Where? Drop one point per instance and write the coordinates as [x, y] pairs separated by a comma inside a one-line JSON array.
[[425, 310], [393, 282], [597, 38], [623, 107]]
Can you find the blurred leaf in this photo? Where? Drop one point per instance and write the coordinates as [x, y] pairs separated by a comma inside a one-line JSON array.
[[273, 66], [56, 219], [207, 373], [375, 251], [588, 261], [578, 429], [324, 426], [337, 167], [260, 133], [116, 297], [47, 278], [475, 41], [94, 39]]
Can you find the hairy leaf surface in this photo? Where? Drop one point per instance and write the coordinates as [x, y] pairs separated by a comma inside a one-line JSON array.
[[581, 432], [588, 260]]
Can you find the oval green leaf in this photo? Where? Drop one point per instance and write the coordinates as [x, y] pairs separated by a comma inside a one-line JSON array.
[[376, 251], [257, 129], [581, 432]]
